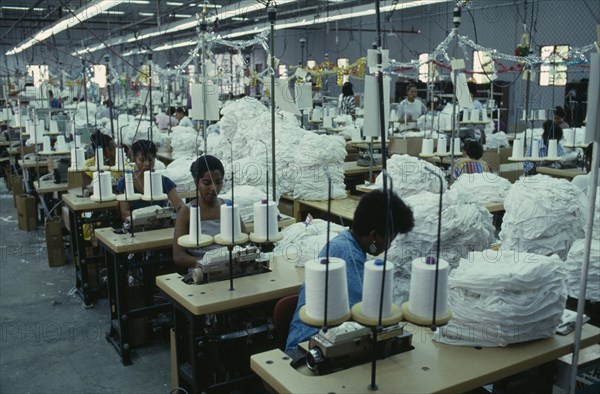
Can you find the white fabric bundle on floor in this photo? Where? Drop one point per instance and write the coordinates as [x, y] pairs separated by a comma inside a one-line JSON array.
[[485, 187], [499, 298], [410, 177], [466, 226], [184, 141], [246, 123], [543, 215], [496, 140], [303, 242], [573, 266]]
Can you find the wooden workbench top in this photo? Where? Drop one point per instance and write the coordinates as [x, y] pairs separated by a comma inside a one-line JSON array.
[[141, 241], [430, 368], [49, 187], [76, 202], [565, 173], [283, 280]]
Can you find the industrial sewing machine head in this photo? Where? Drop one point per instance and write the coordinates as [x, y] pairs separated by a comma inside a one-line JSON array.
[[214, 266], [352, 344], [150, 218]]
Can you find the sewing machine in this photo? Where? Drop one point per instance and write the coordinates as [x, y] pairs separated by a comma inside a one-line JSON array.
[[351, 344], [150, 218], [214, 266], [365, 161]]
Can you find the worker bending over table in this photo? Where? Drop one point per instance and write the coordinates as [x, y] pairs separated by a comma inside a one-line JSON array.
[[367, 235]]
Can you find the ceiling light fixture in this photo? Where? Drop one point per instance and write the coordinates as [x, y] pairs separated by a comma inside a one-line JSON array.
[[81, 14]]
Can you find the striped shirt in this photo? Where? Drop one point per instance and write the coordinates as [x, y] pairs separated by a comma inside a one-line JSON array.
[[469, 166], [347, 105], [528, 166]]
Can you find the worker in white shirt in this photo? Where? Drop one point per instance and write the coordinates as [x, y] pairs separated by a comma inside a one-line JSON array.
[[163, 121], [411, 107], [181, 115]]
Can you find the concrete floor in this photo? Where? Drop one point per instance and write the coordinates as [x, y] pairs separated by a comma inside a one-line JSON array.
[[48, 342]]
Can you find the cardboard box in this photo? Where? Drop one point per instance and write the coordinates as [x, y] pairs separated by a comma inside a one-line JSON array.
[[8, 178], [74, 179], [54, 242], [492, 157], [405, 146], [17, 188], [27, 212]]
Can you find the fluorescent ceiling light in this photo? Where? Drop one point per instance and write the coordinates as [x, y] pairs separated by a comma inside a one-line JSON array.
[[81, 14], [182, 15], [237, 18], [146, 13], [174, 3], [17, 8], [175, 45], [137, 1], [114, 12]]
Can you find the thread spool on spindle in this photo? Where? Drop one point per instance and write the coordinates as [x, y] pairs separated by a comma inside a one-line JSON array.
[[228, 213], [535, 149], [552, 149], [53, 126], [120, 158], [47, 147], [61, 144], [441, 147], [195, 238], [569, 136], [419, 307], [102, 187], [99, 158], [427, 147], [261, 210], [338, 309], [457, 150], [153, 190], [367, 311], [517, 149], [77, 160]]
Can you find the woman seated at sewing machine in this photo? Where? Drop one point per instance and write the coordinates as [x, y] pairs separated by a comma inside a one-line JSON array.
[[109, 149], [471, 163], [208, 174], [144, 156]]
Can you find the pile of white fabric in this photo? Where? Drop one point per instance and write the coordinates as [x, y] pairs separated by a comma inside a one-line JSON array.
[[303, 242], [574, 261], [185, 142], [466, 226], [410, 177], [499, 298], [245, 197], [496, 140], [179, 172], [245, 129], [544, 215], [485, 187], [81, 116], [573, 266]]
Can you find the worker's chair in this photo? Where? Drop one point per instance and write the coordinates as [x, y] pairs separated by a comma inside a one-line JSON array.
[[282, 317]]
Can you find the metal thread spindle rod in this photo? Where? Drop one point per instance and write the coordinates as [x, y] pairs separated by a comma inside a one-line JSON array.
[[272, 16], [87, 116], [327, 252], [437, 249], [586, 261], [110, 104]]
